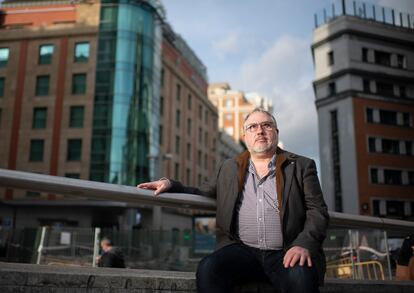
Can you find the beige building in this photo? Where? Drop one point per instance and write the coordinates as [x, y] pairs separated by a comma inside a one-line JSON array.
[[233, 106]]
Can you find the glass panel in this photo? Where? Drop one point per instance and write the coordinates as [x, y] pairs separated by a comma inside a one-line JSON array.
[[81, 52], [4, 56], [42, 85], [36, 150], [39, 118], [46, 54]]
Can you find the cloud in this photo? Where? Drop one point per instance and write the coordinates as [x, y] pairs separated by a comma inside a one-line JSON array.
[[284, 73], [401, 5], [227, 45]]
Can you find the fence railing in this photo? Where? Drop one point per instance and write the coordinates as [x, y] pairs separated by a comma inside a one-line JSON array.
[[353, 242]]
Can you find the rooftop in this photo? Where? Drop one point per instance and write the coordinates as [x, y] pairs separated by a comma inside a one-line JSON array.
[[367, 11]]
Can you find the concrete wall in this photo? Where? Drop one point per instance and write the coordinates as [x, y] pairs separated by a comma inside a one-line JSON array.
[[24, 278]]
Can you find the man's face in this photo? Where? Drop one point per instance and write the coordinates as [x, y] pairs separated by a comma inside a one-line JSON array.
[[260, 134]]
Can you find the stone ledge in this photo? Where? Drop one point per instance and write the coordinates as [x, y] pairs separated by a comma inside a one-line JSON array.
[[25, 278]]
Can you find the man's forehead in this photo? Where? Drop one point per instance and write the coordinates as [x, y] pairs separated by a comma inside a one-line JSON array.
[[258, 117]]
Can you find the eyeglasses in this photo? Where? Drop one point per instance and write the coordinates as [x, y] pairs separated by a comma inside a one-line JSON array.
[[267, 125]]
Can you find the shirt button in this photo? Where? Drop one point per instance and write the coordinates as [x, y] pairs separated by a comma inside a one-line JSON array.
[[260, 219], [260, 200]]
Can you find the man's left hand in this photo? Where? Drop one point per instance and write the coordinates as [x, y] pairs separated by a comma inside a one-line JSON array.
[[295, 254]]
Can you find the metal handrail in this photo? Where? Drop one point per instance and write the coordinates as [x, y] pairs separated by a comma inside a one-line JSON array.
[[113, 192]]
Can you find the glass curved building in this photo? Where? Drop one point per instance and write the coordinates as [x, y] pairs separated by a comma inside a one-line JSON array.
[[126, 105]]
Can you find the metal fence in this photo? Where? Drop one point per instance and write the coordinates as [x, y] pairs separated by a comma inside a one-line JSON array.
[[358, 247]]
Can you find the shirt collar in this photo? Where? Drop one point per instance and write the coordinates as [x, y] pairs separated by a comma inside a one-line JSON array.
[[271, 166]]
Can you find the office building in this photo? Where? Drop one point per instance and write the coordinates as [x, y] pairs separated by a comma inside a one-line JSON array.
[[364, 87]]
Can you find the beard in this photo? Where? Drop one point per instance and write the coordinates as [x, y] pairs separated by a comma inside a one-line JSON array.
[[269, 146]]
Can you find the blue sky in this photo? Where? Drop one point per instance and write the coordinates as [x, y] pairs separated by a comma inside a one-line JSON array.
[[262, 46]]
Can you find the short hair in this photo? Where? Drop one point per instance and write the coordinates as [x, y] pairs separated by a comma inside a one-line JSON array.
[[107, 241], [260, 110]]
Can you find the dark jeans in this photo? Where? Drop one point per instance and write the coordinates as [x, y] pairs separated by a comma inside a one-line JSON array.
[[237, 264]]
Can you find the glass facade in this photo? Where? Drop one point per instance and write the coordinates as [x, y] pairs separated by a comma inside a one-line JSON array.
[[125, 138]]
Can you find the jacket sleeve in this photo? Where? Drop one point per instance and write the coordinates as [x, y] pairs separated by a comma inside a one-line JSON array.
[[316, 211], [208, 188]]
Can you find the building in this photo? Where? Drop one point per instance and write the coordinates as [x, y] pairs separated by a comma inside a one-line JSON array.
[[189, 120], [227, 147], [233, 106], [364, 89], [80, 96]]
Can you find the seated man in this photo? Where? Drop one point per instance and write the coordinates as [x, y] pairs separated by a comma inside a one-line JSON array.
[[271, 216]]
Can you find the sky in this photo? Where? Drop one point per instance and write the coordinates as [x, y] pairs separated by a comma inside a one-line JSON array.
[[262, 46]]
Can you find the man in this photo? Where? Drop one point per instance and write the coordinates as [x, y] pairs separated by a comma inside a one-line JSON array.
[[112, 257], [271, 216], [405, 261]]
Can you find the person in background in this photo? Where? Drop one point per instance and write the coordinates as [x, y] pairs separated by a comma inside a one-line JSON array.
[[271, 217], [111, 257], [405, 262]]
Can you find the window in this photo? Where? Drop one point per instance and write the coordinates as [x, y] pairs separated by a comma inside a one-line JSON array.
[[206, 139], [331, 60], [42, 85], [392, 177], [228, 117], [36, 150], [370, 115], [177, 144], [366, 85], [1, 87], [390, 146], [178, 92], [177, 118], [385, 88], [177, 171], [374, 175], [228, 103], [403, 91], [188, 176], [45, 54], [388, 117], [199, 158], [188, 151], [72, 175], [401, 63], [382, 58], [411, 177], [200, 135], [81, 52], [161, 106], [206, 117], [331, 88], [371, 145], [1, 114], [364, 55], [74, 150], [79, 84], [189, 102], [39, 118], [4, 57], [205, 161], [189, 127], [76, 116], [161, 134], [408, 148], [200, 112], [406, 119], [395, 208]]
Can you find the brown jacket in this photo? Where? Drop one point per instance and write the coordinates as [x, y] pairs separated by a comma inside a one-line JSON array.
[[304, 214]]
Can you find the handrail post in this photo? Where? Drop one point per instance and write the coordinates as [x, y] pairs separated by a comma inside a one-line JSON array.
[[96, 245], [40, 248], [388, 254]]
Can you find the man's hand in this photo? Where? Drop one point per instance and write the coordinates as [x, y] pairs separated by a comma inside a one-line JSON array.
[[295, 254], [159, 186]]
